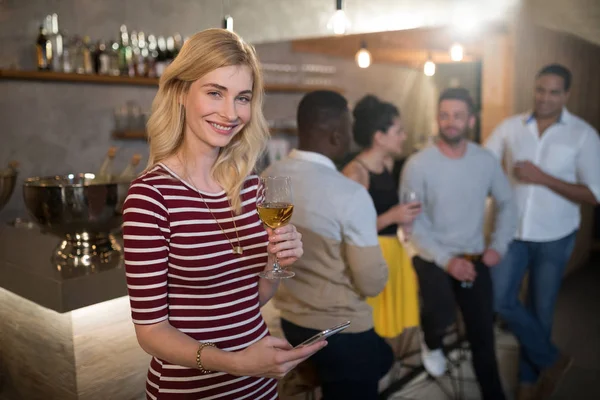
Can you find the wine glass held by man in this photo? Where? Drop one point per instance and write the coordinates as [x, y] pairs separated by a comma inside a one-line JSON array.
[[194, 243]]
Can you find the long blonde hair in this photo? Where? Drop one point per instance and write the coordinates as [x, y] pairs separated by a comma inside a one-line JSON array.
[[202, 53]]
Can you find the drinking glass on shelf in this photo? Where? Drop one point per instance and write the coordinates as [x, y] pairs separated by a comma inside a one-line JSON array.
[[275, 206]]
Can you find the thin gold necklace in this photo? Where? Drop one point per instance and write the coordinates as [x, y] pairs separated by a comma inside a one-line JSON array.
[[239, 250]]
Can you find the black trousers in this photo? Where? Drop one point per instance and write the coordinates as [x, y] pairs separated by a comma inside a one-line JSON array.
[[440, 293], [351, 365]]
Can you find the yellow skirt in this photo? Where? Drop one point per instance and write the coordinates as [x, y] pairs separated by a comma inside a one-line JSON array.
[[397, 306]]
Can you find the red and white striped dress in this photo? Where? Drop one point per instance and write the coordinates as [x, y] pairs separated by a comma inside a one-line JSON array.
[[181, 268]]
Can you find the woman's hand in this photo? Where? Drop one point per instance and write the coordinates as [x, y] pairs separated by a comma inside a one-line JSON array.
[[405, 213], [286, 243], [272, 357]]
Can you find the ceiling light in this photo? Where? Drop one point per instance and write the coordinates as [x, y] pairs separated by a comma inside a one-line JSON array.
[[338, 23], [456, 52], [429, 68], [363, 56], [228, 23]]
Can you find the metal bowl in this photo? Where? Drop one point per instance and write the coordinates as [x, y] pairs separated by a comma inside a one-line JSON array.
[[82, 210], [8, 178]]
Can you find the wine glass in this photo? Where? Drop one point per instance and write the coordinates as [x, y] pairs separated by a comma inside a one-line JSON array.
[[408, 196], [275, 206]]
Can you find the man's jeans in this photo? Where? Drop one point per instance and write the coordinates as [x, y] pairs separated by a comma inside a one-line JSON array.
[[531, 323]]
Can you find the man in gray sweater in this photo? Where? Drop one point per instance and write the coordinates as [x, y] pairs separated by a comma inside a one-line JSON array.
[[453, 179]]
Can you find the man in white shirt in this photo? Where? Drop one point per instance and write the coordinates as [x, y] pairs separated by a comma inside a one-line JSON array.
[[552, 158]]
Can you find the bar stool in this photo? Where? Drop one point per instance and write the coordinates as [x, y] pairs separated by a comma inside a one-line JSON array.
[[456, 350]]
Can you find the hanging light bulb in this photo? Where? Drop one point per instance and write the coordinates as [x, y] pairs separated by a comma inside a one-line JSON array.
[[429, 68], [338, 23], [363, 56], [228, 23], [456, 52]]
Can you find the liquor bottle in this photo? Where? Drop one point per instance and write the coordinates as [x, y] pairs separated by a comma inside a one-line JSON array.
[[68, 59], [105, 173], [125, 53], [161, 57], [114, 59], [135, 53], [76, 53], [101, 59], [178, 44], [170, 49], [142, 54], [152, 55], [129, 173], [42, 48], [56, 43], [87, 50]]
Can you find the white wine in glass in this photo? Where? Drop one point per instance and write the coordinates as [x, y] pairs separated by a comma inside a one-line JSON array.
[[275, 207], [275, 215]]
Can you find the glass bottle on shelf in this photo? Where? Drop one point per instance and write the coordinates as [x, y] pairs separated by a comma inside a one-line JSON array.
[[151, 58], [125, 53], [161, 57], [178, 44], [87, 50], [113, 53], [101, 59], [56, 43], [105, 172], [170, 49], [129, 173], [141, 62], [67, 57], [135, 53], [76, 52], [42, 49]]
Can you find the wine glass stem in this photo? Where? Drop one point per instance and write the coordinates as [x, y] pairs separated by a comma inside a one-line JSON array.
[[276, 266]]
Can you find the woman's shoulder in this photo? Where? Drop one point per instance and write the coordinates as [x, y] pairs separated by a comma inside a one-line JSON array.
[[357, 172], [251, 179], [250, 184], [153, 182]]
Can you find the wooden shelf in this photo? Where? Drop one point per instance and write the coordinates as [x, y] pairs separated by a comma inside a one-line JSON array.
[[141, 135], [50, 76], [129, 135], [82, 78], [284, 88]]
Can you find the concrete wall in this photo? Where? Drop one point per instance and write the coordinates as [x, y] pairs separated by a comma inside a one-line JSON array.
[[59, 128]]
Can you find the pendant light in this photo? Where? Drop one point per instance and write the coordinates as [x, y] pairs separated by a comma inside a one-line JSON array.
[[429, 67], [227, 22], [456, 52], [363, 56], [338, 23]]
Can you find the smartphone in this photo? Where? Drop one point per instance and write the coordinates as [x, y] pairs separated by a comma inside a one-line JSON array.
[[325, 334]]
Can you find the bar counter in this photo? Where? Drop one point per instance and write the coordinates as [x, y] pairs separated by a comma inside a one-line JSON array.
[[64, 334]]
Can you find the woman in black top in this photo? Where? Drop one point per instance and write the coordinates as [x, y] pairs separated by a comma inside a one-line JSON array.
[[379, 130]]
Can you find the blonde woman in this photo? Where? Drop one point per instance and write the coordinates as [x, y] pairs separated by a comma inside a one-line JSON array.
[[193, 241]]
